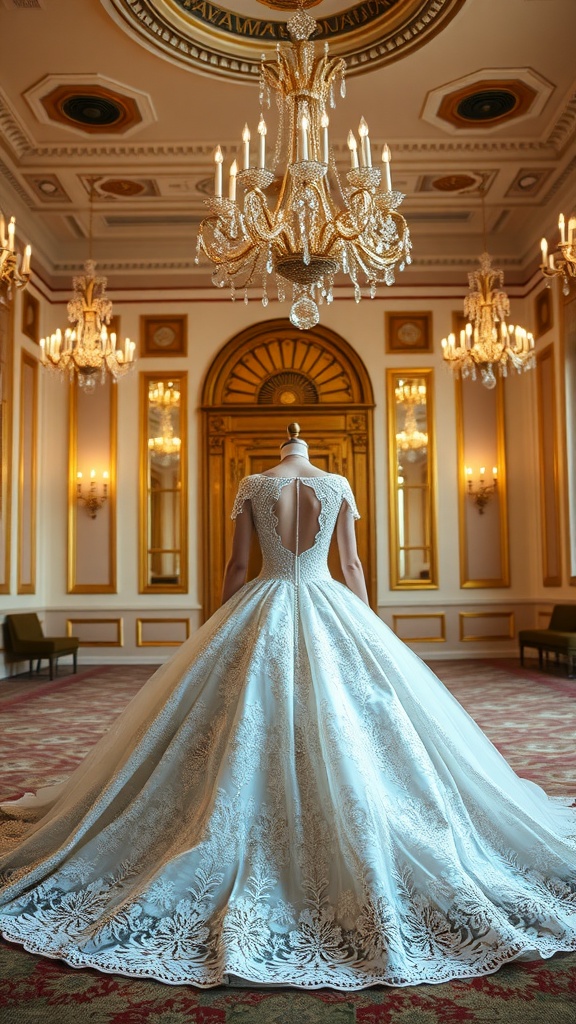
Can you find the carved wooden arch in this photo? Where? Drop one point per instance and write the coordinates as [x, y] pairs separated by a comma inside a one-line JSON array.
[[322, 363], [264, 377]]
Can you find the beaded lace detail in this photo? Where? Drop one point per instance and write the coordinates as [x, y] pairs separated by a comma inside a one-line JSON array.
[[278, 562]]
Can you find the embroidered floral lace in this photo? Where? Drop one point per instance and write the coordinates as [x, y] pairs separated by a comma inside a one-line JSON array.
[[293, 799]]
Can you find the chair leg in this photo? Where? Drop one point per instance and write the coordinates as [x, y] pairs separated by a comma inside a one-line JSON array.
[[52, 668], [31, 666], [75, 656]]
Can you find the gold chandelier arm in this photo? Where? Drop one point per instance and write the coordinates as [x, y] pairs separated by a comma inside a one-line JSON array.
[[231, 255], [254, 205]]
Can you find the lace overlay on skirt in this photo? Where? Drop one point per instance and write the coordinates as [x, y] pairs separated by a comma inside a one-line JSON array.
[[293, 799]]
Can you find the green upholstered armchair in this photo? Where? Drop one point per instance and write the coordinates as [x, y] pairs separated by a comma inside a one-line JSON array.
[[26, 640]]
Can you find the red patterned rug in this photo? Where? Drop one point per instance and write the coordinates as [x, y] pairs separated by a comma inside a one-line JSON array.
[[47, 727]]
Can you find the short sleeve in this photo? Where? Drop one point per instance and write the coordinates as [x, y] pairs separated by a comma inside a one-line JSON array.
[[242, 496], [349, 498]]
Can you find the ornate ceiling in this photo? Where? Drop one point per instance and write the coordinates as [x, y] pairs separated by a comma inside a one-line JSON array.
[[135, 95]]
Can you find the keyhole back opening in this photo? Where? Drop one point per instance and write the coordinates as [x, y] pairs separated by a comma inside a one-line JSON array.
[[297, 511]]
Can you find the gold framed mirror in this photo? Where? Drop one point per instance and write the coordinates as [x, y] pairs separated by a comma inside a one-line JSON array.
[[163, 487], [412, 474]]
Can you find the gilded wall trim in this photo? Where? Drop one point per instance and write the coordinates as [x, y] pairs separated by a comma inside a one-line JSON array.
[[466, 618], [117, 631], [27, 481], [482, 538], [92, 538], [548, 468], [143, 623], [440, 636]]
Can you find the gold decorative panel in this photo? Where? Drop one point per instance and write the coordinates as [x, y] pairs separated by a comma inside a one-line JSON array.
[[486, 626], [163, 483], [27, 474], [548, 451], [409, 627], [92, 450], [97, 632], [484, 558], [264, 378], [568, 407], [412, 479], [6, 345], [162, 632]]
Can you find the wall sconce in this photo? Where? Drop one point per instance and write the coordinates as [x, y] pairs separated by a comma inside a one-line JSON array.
[[480, 492], [90, 498]]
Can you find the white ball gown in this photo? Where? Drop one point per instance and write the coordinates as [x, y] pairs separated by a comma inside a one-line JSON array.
[[293, 799]]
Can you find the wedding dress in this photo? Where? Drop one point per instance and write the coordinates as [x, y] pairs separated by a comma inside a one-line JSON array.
[[293, 799]]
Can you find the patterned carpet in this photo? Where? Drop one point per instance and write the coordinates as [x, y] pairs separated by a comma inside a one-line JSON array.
[[47, 727]]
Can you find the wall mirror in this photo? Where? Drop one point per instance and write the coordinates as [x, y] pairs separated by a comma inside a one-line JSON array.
[[163, 520], [411, 462]]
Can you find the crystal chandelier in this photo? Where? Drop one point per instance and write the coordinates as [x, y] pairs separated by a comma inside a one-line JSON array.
[[317, 227], [488, 341], [411, 439], [13, 273], [88, 351], [561, 263], [166, 446]]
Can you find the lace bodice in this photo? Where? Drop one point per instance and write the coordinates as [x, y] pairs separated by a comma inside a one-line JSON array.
[[297, 519]]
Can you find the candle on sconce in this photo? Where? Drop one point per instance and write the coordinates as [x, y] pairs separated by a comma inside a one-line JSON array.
[[11, 232], [218, 158], [353, 147], [571, 230], [562, 229], [544, 251], [246, 141], [2, 230], [365, 150], [232, 181], [262, 147], [324, 122], [26, 260], [303, 138], [386, 162]]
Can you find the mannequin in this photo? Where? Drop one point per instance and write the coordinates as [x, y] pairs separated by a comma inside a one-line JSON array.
[[295, 445]]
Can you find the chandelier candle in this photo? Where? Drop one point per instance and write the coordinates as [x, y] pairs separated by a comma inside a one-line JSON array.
[[312, 227]]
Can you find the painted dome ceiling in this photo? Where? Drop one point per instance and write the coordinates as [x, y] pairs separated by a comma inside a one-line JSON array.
[[227, 39]]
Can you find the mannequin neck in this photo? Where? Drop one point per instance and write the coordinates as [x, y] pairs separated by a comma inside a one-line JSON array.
[[294, 449]]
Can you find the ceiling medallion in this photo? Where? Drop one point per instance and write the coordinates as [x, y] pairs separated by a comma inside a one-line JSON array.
[[226, 40]]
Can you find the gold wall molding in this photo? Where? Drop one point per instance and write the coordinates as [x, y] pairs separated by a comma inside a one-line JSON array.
[[142, 624], [412, 485], [567, 359], [481, 440], [163, 514], [117, 632], [27, 483], [548, 468], [6, 393], [440, 636], [93, 425], [467, 618], [331, 398]]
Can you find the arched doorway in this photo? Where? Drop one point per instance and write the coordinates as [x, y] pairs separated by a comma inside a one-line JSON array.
[[263, 378]]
